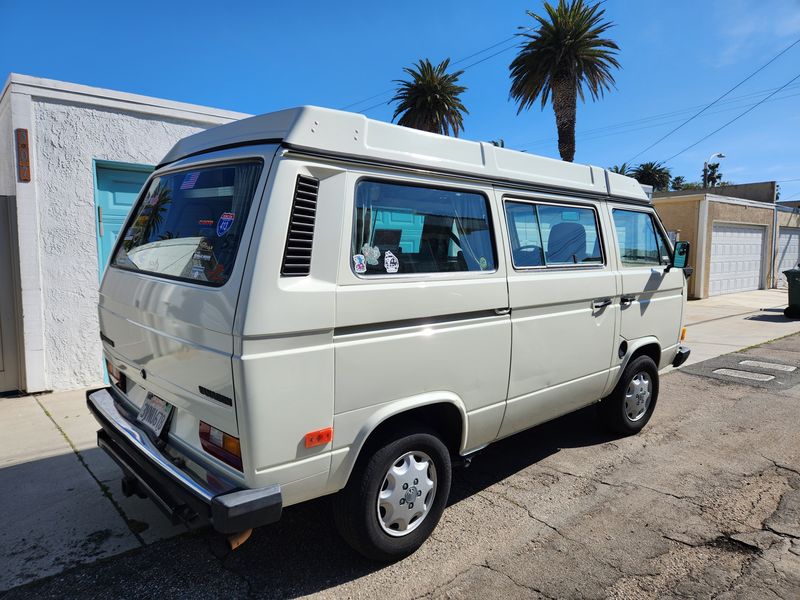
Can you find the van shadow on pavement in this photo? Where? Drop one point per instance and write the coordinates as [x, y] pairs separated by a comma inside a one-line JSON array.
[[302, 553]]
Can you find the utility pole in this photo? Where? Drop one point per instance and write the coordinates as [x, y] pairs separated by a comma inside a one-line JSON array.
[[719, 155]]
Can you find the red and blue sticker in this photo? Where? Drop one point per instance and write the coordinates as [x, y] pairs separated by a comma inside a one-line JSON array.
[[189, 180], [224, 223]]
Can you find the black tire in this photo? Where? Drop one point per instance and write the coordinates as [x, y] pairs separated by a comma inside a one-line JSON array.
[[613, 408], [355, 510]]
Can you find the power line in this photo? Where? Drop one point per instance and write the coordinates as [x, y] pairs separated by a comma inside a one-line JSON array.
[[457, 62], [658, 117], [736, 118], [650, 122], [382, 103], [761, 68]]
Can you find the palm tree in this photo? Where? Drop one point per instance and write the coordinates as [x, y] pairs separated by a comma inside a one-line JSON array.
[[652, 173], [565, 54], [714, 176], [430, 99], [678, 183], [623, 169]]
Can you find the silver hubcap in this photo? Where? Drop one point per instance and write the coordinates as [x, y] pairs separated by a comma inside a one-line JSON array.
[[637, 396], [407, 493]]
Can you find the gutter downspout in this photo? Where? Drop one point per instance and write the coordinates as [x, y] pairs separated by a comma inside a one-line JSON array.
[[774, 265]]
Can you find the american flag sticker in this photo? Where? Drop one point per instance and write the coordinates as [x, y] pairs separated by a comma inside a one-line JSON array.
[[190, 180]]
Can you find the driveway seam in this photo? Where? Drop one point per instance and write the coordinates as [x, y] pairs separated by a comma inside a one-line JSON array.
[[103, 487], [750, 312]]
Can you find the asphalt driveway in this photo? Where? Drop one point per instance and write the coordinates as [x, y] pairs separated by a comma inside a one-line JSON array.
[[704, 503]]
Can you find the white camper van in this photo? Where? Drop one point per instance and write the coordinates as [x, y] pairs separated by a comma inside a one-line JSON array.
[[310, 302]]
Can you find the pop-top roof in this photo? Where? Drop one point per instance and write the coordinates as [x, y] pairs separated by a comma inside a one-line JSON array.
[[353, 135]]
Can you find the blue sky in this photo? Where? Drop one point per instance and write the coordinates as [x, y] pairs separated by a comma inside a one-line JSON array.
[[257, 57]]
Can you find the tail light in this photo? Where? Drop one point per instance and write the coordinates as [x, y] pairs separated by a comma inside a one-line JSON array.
[[115, 377], [221, 445]]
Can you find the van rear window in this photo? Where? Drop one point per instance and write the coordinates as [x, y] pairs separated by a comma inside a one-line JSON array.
[[188, 224]]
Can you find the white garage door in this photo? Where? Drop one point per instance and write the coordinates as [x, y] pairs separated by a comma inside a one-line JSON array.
[[788, 252], [736, 258]]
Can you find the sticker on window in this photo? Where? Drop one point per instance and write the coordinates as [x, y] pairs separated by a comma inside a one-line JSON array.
[[390, 262], [359, 263], [224, 223], [190, 180], [371, 253]]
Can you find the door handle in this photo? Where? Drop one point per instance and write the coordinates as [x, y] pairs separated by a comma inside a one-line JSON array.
[[100, 219], [626, 300], [502, 311], [601, 303]]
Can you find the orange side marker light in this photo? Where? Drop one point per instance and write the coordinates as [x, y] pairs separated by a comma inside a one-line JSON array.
[[683, 333], [319, 437]]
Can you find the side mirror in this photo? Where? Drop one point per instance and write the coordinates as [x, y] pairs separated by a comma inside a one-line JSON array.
[[681, 256]]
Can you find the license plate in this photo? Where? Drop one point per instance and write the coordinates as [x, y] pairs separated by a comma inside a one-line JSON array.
[[154, 413]]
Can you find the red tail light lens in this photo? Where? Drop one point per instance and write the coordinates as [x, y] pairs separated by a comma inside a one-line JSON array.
[[115, 377], [221, 445]]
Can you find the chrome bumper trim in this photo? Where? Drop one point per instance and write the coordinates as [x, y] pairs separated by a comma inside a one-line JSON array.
[[103, 402]]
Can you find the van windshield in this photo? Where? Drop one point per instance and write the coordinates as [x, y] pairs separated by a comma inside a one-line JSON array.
[[187, 225]]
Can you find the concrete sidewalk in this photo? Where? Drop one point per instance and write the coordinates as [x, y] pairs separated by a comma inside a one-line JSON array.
[[61, 501], [61, 494], [724, 324]]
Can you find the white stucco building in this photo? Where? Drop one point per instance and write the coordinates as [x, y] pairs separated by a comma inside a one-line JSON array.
[[89, 150]]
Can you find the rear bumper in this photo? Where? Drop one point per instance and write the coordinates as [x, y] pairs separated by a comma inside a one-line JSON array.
[[176, 490], [681, 356]]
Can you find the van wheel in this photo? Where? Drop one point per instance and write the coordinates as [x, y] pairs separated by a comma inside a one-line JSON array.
[[629, 407], [395, 497]]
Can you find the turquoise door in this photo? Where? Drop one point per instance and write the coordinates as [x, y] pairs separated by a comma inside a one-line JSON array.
[[116, 187]]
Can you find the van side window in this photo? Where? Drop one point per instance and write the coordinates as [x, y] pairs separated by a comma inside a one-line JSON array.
[[550, 235], [640, 243], [412, 229], [526, 240]]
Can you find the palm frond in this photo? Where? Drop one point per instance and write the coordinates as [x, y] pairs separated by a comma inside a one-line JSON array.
[[430, 99], [568, 45]]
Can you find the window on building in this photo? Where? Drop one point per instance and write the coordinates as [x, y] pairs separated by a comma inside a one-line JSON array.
[[401, 229]]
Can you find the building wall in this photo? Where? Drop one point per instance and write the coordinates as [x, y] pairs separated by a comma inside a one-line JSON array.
[[681, 214], [68, 137], [788, 218], [725, 212], [763, 191], [684, 213], [7, 175]]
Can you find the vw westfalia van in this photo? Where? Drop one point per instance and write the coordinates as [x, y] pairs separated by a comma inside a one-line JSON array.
[[310, 302]]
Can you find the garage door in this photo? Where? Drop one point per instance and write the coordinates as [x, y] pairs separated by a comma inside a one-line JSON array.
[[8, 325], [788, 252], [737, 253]]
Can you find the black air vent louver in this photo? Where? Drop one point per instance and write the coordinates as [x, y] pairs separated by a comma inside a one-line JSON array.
[[297, 254]]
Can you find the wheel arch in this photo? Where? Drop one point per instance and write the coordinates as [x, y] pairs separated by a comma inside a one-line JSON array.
[[444, 412], [647, 346]]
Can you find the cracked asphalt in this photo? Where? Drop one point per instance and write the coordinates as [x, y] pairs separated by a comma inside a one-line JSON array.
[[704, 503]]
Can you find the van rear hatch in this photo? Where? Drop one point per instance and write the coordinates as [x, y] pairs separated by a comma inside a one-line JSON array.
[[168, 298]]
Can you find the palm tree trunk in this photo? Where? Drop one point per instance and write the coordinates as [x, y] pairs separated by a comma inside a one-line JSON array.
[[565, 100]]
